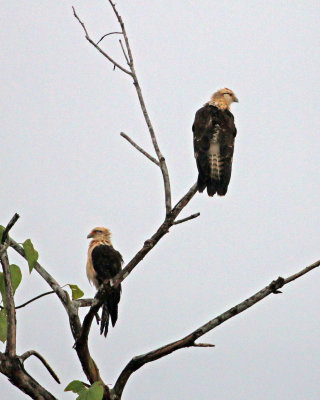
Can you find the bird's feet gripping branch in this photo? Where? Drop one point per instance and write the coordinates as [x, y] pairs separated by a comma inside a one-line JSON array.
[[104, 262]]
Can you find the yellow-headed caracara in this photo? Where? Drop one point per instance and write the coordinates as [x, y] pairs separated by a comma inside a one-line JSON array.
[[104, 262], [213, 139]]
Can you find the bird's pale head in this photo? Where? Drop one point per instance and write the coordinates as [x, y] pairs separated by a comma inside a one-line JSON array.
[[100, 233], [223, 98]]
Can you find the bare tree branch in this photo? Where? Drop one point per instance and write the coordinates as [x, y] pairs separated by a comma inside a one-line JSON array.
[[124, 52], [30, 353], [135, 145], [97, 47], [108, 34], [150, 243], [11, 313], [34, 299], [189, 340], [180, 221], [13, 368], [13, 220], [132, 72], [163, 165], [203, 345]]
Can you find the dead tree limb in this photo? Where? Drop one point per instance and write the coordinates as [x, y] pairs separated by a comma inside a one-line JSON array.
[[13, 368], [189, 340], [135, 145], [115, 64], [13, 220], [129, 59], [30, 353]]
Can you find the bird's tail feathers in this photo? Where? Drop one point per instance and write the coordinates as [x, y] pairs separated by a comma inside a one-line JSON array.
[[201, 184], [113, 310], [104, 323], [222, 190], [212, 187]]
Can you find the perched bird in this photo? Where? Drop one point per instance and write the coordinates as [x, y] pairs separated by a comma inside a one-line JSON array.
[[104, 262], [213, 139]]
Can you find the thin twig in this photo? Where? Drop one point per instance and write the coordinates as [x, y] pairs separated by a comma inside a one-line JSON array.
[[302, 272], [180, 221], [30, 353], [189, 340], [35, 298], [124, 53], [135, 145], [12, 221], [162, 161], [99, 48], [108, 34], [203, 345]]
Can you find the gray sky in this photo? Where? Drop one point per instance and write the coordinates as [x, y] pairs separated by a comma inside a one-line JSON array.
[[65, 169]]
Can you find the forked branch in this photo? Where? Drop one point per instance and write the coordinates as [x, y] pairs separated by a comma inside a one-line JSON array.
[[129, 59], [30, 353]]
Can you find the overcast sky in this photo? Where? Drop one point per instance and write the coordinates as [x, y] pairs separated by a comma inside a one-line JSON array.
[[65, 169]]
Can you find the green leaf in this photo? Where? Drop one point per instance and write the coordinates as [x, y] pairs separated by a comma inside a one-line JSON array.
[[76, 292], [75, 387], [2, 228], [95, 392], [3, 325], [16, 277], [31, 254]]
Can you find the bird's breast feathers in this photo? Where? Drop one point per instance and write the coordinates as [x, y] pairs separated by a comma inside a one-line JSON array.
[[91, 273]]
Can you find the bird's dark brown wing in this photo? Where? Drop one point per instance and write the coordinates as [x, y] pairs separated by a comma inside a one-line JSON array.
[[202, 128], [107, 263], [213, 139]]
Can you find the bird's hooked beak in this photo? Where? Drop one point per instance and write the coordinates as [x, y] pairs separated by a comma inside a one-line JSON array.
[[236, 99], [89, 236]]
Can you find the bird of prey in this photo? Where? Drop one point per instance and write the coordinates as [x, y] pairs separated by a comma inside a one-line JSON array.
[[213, 139], [104, 262]]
